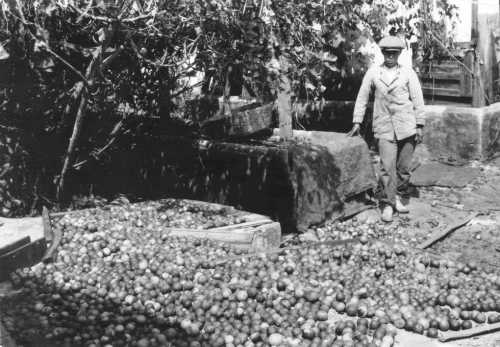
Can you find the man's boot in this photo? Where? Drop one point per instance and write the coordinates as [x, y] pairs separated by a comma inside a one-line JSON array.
[[400, 208], [387, 214]]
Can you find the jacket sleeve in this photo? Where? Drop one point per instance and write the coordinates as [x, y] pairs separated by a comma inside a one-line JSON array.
[[417, 97], [363, 97]]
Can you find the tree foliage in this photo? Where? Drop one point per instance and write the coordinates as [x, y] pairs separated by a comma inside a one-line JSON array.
[[114, 63]]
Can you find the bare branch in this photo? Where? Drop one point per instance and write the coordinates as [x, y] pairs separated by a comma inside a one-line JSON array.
[[111, 20], [141, 17], [125, 7], [112, 57], [185, 89], [149, 61], [11, 128], [77, 126], [68, 64], [91, 16], [112, 138], [85, 13]]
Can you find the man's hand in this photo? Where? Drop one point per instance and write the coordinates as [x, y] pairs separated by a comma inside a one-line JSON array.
[[354, 131], [419, 137]]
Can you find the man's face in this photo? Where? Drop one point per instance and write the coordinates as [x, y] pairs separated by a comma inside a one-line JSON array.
[[391, 57]]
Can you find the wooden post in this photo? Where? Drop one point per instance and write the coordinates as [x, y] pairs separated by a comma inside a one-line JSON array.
[[284, 104], [475, 22], [478, 93]]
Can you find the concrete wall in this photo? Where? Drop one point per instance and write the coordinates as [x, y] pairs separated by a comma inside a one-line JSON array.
[[452, 133], [461, 134]]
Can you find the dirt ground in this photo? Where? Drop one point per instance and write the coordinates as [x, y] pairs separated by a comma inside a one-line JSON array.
[[438, 208]]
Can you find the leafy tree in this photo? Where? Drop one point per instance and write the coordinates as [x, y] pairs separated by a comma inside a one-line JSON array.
[[84, 72]]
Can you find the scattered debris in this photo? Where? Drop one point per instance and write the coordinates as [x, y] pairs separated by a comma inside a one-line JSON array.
[[438, 235], [437, 174]]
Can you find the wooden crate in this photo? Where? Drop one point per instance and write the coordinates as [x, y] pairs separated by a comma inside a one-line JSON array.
[[29, 254], [257, 233], [240, 119], [448, 79]]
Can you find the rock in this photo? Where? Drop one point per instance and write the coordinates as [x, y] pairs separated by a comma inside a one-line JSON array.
[[437, 174], [490, 131], [485, 198], [308, 236], [453, 133], [461, 134], [325, 169], [369, 216]]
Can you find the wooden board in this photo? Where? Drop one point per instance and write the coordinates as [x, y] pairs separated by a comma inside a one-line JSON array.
[[464, 334], [240, 121], [447, 79], [259, 238], [427, 90], [26, 256], [440, 234], [441, 75], [258, 233], [15, 229]]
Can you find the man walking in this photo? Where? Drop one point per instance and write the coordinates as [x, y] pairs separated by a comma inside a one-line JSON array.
[[398, 119]]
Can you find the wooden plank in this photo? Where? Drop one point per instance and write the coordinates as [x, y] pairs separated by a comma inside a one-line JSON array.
[[235, 236], [250, 217], [442, 68], [441, 91], [56, 239], [266, 237], [440, 234], [443, 87], [240, 121], [284, 105], [464, 334], [4, 249], [47, 228], [478, 92], [467, 77], [252, 120], [438, 76], [253, 223], [28, 255], [17, 231], [256, 237], [442, 84]]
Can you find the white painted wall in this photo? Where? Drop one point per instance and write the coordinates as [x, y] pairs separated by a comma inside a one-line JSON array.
[[487, 6], [464, 25]]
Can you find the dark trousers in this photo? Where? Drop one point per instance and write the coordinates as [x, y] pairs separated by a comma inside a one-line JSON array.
[[395, 157]]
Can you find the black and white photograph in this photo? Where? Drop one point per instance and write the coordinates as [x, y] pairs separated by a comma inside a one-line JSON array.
[[249, 173]]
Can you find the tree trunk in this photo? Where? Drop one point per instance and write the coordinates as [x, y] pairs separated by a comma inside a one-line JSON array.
[[80, 114], [284, 104], [68, 159]]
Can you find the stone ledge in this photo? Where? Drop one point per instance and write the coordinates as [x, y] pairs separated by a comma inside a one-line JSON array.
[[452, 133], [462, 134]]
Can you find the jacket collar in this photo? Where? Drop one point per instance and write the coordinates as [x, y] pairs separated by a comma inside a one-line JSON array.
[[382, 75]]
